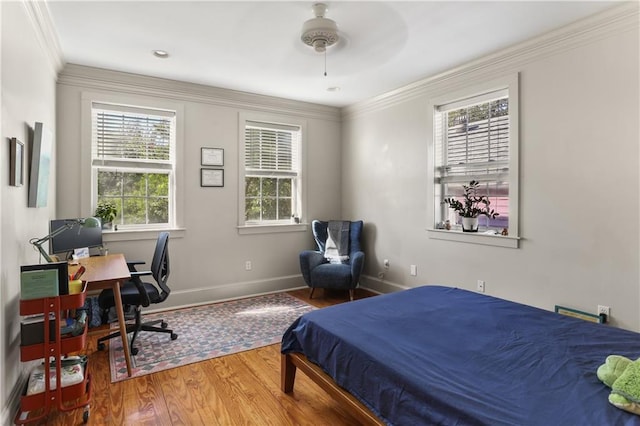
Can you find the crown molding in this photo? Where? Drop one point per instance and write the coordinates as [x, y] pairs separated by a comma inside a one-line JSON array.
[[615, 20], [38, 13], [108, 80]]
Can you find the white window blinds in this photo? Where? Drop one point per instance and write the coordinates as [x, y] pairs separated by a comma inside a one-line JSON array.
[[475, 139], [271, 149], [125, 134]]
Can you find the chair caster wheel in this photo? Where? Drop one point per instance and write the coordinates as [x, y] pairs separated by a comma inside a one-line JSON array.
[[174, 336], [134, 351], [164, 324], [101, 346]]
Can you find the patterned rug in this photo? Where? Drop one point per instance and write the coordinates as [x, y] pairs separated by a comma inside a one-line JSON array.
[[208, 331]]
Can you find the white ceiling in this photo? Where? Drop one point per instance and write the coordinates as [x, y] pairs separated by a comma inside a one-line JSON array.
[[255, 46]]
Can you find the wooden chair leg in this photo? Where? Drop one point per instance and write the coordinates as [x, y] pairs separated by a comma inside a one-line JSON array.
[[311, 294]]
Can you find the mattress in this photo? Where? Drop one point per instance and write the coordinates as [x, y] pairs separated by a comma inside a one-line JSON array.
[[447, 356]]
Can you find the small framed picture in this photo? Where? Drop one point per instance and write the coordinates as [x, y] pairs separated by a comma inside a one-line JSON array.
[[212, 156], [16, 163], [211, 177], [81, 253]]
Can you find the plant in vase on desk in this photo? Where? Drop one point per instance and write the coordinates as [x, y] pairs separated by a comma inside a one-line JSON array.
[[473, 205], [107, 212]]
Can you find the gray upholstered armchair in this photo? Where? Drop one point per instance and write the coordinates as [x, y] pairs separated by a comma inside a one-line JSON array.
[[339, 260]]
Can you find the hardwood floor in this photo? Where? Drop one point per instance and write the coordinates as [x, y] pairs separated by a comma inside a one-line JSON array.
[[238, 389]]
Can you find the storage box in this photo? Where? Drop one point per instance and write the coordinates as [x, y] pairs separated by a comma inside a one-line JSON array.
[[32, 330]]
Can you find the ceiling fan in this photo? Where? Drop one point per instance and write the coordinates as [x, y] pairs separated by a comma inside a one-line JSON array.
[[320, 32]]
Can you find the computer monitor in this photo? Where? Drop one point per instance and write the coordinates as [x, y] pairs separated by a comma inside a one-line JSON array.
[[75, 237]]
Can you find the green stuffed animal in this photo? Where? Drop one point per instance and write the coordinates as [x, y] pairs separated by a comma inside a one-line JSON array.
[[622, 375], [612, 368]]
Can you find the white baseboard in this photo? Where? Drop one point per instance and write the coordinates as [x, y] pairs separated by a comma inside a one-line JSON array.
[[179, 299], [205, 295], [380, 286]]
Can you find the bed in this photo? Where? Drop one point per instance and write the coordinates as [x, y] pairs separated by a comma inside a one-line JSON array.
[[447, 356]]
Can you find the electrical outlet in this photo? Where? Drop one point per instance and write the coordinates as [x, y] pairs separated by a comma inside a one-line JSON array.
[[247, 265], [603, 310], [413, 270], [386, 264], [481, 286]]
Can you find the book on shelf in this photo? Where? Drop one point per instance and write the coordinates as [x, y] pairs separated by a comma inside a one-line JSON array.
[[38, 284], [32, 288]]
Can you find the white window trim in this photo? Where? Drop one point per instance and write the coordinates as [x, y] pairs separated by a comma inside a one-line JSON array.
[[266, 227], [109, 236], [509, 82], [87, 200]]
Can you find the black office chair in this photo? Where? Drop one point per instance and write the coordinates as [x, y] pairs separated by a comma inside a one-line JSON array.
[[141, 294]]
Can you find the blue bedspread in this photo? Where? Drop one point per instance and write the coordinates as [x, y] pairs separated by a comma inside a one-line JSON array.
[[443, 356]]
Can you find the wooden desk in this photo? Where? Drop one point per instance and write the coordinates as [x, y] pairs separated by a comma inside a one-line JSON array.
[[109, 272]]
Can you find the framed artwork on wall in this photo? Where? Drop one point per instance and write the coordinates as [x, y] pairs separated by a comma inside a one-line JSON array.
[[211, 156], [40, 166], [16, 167], [212, 177]]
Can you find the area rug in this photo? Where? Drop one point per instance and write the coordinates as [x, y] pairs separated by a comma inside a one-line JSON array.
[[208, 331]]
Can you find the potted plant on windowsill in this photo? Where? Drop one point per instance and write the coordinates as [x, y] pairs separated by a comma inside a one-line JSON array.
[[473, 206], [107, 212]]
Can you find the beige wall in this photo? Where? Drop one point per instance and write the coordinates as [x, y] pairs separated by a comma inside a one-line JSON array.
[[207, 254], [579, 181], [28, 95]]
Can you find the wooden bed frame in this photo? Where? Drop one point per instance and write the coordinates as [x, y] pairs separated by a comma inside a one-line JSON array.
[[291, 362]]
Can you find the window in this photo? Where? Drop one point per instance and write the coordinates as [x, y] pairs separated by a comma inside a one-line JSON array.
[[272, 173], [472, 143], [475, 138], [133, 163]]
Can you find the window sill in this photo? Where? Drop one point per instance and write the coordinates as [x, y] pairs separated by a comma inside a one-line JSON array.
[[140, 234], [474, 238], [272, 229]]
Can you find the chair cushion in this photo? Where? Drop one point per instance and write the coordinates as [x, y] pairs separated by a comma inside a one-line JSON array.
[[331, 275], [130, 295]]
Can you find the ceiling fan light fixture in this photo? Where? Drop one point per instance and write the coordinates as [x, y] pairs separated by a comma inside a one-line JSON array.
[[319, 45], [319, 32]]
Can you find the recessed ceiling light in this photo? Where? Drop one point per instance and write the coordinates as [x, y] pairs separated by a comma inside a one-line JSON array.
[[161, 54], [333, 89]]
